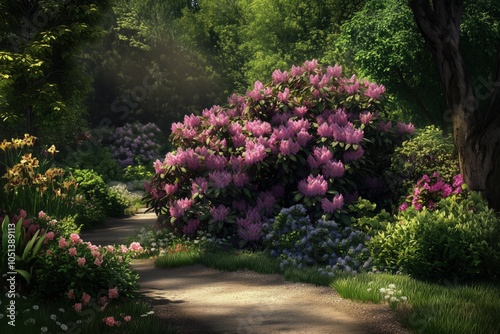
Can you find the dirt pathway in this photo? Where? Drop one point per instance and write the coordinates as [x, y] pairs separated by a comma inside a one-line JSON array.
[[197, 299]]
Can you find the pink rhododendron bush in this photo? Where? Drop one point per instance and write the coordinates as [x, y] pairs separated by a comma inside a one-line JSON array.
[[313, 137]]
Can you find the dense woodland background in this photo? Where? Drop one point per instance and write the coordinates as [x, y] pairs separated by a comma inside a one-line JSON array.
[[113, 62]]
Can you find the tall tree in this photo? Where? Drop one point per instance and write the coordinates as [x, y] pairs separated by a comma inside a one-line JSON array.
[[476, 131], [43, 85]]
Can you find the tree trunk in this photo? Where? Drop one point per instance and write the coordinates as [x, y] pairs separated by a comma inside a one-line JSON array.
[[476, 136]]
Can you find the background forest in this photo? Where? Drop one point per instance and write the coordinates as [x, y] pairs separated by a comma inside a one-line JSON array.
[[151, 61]]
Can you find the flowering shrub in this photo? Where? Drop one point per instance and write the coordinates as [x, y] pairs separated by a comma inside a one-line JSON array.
[[31, 184], [77, 268], [297, 242], [313, 137], [429, 190], [392, 296], [459, 239], [428, 151], [135, 143]]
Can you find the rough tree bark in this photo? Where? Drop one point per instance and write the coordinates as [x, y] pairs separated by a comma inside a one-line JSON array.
[[476, 133]]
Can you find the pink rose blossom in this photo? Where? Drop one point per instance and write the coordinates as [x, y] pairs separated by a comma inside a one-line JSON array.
[[75, 238], [110, 321], [77, 307], [72, 251], [135, 247], [71, 294], [113, 293], [81, 261], [86, 298], [127, 318], [63, 243], [97, 262]]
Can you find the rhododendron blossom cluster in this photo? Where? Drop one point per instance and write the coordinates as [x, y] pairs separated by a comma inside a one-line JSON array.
[[308, 137]]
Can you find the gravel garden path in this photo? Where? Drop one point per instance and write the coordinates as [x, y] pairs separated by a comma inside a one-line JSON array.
[[196, 299]]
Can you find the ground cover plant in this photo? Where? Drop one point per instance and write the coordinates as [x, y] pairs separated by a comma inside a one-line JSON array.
[[312, 136]]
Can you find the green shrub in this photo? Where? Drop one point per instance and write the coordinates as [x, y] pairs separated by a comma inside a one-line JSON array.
[[424, 154], [92, 155], [96, 191], [89, 212], [139, 172], [459, 240]]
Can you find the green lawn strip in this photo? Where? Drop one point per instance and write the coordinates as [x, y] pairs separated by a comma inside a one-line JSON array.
[[45, 316], [430, 308]]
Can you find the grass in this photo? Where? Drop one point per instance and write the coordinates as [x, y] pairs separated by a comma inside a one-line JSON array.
[[37, 316], [430, 308]]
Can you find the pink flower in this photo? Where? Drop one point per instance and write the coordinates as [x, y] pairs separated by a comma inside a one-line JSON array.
[[135, 247], [127, 318], [72, 251], [406, 128], [303, 137], [288, 147], [42, 215], [71, 294], [113, 293], [383, 126], [314, 186], [97, 262], [81, 261], [220, 178], [63, 243], [77, 307], [331, 206], [191, 227], [240, 179], [86, 298], [300, 111], [75, 238], [219, 213], [333, 169], [353, 136], [49, 236], [283, 96], [365, 117], [158, 166], [23, 214], [296, 70], [310, 65], [324, 130], [171, 188], [110, 321], [375, 91], [353, 155], [254, 153], [199, 185], [335, 71], [216, 162], [279, 76], [258, 128], [403, 206]]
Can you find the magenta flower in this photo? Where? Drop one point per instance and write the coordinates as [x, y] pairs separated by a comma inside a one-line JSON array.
[[254, 153], [171, 189], [258, 127], [192, 121], [365, 117], [314, 186], [333, 169], [375, 91], [335, 71], [406, 128], [199, 185], [296, 70], [220, 178], [279, 77], [353, 155], [240, 179], [235, 128], [288, 147], [403, 206], [310, 65], [383, 126], [175, 210], [219, 213], [300, 111], [191, 227], [283, 96], [303, 137], [216, 162], [331, 206], [352, 135]]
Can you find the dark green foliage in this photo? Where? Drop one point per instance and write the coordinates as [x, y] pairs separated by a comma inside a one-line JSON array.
[[92, 155], [424, 154], [139, 172], [92, 186], [460, 240]]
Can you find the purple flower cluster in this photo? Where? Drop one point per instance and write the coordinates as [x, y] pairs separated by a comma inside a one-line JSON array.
[[429, 190], [135, 143], [296, 241], [289, 142]]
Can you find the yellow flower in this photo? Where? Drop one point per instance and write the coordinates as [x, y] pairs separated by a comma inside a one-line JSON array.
[[29, 140], [5, 145], [52, 150], [17, 143]]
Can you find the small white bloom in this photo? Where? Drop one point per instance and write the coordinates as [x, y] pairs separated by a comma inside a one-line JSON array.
[[387, 296], [53, 316], [392, 286], [1, 315], [151, 312], [369, 289], [61, 310], [404, 298], [35, 307], [64, 327], [44, 329], [78, 321], [391, 292], [27, 310], [394, 299], [58, 323], [382, 290]]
